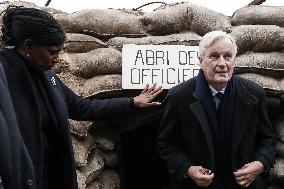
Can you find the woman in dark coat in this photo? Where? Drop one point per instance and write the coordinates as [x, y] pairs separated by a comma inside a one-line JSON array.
[[43, 104], [16, 169]]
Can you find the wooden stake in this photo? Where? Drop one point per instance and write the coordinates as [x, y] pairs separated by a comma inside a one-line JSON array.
[[47, 3], [256, 2]]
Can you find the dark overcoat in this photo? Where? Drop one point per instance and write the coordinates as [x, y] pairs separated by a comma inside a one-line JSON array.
[[65, 103], [16, 168], [185, 137]]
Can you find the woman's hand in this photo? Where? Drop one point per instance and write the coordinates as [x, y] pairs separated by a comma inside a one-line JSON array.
[[146, 97]]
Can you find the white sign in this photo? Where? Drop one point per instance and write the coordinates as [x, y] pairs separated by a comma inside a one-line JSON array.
[[166, 65]]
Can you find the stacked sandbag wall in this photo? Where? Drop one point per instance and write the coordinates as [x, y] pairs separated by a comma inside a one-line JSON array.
[[92, 60], [260, 37], [260, 44], [91, 66], [96, 158]]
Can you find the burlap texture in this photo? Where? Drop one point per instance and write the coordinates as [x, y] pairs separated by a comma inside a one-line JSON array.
[[258, 38], [80, 43], [259, 15], [178, 17], [173, 39], [96, 62], [104, 23], [270, 64], [271, 85]]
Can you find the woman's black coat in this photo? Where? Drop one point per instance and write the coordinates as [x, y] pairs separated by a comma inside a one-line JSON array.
[[65, 104], [16, 169]]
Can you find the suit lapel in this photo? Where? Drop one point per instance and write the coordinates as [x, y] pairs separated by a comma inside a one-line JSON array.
[[199, 112], [200, 108], [244, 106]]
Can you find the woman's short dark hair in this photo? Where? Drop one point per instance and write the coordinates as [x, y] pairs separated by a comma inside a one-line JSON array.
[[21, 23]]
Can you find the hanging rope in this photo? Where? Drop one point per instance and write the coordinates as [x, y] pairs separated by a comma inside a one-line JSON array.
[[149, 4]]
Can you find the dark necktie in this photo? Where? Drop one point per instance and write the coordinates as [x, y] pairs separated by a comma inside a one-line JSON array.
[[220, 126], [219, 95]]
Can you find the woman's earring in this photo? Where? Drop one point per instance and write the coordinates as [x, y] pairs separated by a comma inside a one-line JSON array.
[[28, 55]]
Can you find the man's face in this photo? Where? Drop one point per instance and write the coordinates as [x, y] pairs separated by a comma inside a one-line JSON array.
[[43, 58], [218, 63]]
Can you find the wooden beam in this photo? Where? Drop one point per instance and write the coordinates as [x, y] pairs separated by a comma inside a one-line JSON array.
[[256, 2], [47, 3]]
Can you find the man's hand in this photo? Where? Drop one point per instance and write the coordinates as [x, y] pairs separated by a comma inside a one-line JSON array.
[[248, 173], [146, 97], [201, 176]]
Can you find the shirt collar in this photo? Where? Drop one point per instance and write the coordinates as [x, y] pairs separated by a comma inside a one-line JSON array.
[[214, 91]]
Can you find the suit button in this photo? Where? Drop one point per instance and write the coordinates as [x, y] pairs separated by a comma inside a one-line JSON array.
[[30, 182]]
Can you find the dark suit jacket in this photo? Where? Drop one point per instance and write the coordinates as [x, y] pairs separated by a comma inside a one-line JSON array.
[[65, 104], [16, 168], [185, 138]]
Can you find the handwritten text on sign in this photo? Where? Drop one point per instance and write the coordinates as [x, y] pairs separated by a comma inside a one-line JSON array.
[[166, 65]]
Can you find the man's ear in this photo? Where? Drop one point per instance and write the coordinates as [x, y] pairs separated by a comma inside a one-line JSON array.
[[28, 46], [234, 62], [200, 62]]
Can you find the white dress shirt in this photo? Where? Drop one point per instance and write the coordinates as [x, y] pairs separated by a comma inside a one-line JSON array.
[[214, 92]]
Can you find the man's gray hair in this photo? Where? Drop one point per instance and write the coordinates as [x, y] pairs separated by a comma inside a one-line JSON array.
[[209, 38]]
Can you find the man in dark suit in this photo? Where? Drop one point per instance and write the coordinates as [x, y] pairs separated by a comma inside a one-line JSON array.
[[16, 170], [215, 132]]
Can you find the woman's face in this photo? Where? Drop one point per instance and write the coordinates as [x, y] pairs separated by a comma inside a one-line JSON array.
[[43, 58]]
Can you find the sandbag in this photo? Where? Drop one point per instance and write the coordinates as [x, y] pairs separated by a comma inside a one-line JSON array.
[[259, 15], [270, 64], [205, 20], [178, 17], [96, 62], [271, 85], [94, 185], [104, 23], [277, 172], [80, 43], [187, 38], [280, 148], [62, 65], [52, 11], [258, 38], [98, 86], [94, 167], [172, 18], [81, 179], [73, 82], [111, 159], [79, 129], [101, 83], [110, 180], [82, 149], [104, 144]]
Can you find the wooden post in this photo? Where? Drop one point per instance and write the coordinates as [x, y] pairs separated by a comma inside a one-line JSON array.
[[256, 2], [47, 3]]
